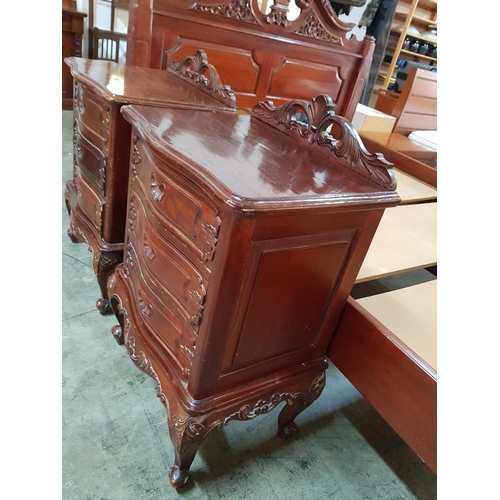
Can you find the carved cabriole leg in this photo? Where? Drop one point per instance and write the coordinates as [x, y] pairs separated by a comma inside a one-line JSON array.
[[191, 421], [104, 265], [286, 424]]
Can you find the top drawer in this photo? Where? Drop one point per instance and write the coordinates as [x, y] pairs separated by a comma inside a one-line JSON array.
[[180, 211], [92, 112]]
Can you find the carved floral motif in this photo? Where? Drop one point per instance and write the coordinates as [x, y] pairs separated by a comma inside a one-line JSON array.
[[236, 9], [314, 29], [210, 235], [145, 308], [313, 121], [157, 189]]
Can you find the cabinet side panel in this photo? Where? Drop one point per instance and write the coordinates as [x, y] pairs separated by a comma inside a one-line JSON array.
[[292, 283]]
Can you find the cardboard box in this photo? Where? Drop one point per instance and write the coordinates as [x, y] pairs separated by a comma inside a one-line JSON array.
[[367, 119]]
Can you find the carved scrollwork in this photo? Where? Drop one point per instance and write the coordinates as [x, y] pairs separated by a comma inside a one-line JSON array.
[[278, 15], [157, 189], [210, 235], [195, 68], [132, 213], [235, 9], [129, 263], [314, 29], [136, 155], [189, 428], [313, 121]]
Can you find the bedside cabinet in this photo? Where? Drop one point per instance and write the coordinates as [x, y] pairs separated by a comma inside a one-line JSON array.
[[244, 236], [96, 196]]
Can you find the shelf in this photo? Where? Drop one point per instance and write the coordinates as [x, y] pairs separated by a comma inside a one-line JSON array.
[[416, 54], [418, 37]]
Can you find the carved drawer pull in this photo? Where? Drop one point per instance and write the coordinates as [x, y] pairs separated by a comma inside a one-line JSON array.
[[146, 309], [149, 252], [157, 189]]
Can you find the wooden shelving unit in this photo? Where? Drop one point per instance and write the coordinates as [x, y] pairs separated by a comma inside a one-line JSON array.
[[419, 14]]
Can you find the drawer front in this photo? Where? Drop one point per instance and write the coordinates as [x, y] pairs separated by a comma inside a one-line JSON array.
[[178, 284], [167, 326], [92, 113], [174, 208], [91, 160], [89, 202]]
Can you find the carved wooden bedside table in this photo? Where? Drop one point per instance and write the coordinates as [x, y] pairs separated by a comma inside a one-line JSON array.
[[96, 196], [244, 237]]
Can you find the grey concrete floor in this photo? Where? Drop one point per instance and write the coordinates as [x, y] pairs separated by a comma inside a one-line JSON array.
[[115, 436]]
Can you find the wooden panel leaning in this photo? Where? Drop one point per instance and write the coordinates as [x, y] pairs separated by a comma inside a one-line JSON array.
[[262, 56], [244, 237]]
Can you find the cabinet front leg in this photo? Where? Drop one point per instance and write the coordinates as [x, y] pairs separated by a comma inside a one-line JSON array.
[[286, 424], [105, 265], [187, 433]]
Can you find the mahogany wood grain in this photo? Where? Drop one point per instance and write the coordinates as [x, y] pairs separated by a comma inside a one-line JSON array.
[[398, 383], [241, 247], [263, 57]]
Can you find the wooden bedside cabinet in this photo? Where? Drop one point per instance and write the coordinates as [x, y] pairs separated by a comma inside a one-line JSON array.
[[244, 237], [96, 196]]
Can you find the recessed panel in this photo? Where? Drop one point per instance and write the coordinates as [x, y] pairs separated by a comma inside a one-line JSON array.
[[291, 292], [288, 81]]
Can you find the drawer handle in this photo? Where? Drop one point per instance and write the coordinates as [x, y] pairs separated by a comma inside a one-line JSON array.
[[146, 309], [149, 253], [157, 189]]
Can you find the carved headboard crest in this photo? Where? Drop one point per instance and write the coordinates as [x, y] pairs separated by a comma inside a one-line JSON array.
[[308, 23], [194, 69], [316, 122]]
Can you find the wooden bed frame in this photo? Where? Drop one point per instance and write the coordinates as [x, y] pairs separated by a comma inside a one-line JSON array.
[[261, 56]]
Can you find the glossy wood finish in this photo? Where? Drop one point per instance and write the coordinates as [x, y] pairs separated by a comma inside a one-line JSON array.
[[242, 245], [72, 31], [261, 56], [96, 196], [399, 384]]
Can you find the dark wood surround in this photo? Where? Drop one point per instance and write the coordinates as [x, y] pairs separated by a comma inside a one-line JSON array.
[[244, 236], [96, 196], [262, 56]]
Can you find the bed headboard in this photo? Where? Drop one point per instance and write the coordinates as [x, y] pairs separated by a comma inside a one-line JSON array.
[[262, 56]]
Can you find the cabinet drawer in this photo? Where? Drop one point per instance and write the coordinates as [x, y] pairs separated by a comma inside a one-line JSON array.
[[89, 201], [175, 209], [92, 113], [178, 284], [165, 325], [91, 160]]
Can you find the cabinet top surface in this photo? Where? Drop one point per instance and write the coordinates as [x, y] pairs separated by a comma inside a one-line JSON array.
[[248, 163], [126, 84]]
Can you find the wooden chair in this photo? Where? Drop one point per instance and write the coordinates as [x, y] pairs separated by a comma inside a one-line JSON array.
[[107, 45]]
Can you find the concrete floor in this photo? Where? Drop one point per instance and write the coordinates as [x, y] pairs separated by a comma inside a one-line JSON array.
[[115, 437]]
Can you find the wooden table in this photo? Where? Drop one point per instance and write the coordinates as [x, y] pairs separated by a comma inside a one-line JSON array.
[[412, 190]]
